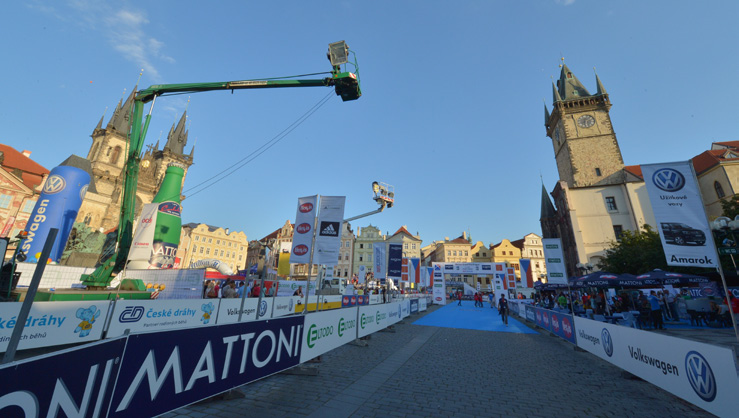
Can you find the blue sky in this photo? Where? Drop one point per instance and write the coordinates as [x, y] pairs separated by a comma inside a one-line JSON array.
[[452, 111]]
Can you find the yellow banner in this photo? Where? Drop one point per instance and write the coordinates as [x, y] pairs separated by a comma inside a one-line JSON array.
[[283, 264]]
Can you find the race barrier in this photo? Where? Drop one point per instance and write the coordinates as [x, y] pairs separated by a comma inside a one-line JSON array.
[[702, 374], [151, 373], [556, 322]]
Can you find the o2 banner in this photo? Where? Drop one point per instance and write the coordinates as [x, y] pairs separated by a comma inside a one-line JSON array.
[[305, 219], [680, 215], [700, 373], [77, 382], [395, 261], [328, 230], [379, 260], [54, 323], [554, 260], [164, 370]]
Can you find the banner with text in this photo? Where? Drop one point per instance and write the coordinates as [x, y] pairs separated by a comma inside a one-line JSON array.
[[395, 261], [328, 228], [379, 260], [555, 261], [680, 215], [158, 315], [305, 220]]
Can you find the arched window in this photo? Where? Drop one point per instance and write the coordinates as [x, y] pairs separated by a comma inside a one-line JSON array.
[[115, 155], [719, 189]]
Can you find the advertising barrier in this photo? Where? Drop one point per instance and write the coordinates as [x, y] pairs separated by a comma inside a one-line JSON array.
[[373, 318], [228, 310], [563, 326], [405, 308], [54, 323], [414, 306], [73, 382], [163, 371], [158, 315], [375, 299], [422, 304], [325, 331], [530, 313], [702, 374], [348, 300]]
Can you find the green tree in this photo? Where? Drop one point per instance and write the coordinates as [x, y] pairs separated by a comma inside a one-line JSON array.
[[730, 206], [637, 252]]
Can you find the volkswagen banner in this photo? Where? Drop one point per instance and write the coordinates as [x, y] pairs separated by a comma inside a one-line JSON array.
[[680, 215]]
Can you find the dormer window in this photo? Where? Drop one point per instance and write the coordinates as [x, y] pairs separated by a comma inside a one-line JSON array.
[[569, 74]]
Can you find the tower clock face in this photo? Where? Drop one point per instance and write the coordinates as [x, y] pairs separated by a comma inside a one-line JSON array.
[[585, 121]]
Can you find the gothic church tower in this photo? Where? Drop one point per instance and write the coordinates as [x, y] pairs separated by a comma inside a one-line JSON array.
[[107, 156], [585, 145]]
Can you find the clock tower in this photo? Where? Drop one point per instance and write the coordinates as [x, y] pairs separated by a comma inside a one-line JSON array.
[[585, 145]]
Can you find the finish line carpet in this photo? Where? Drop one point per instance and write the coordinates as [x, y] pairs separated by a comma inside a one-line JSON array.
[[468, 316]]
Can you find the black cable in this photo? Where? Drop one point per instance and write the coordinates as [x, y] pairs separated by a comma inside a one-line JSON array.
[[267, 145]]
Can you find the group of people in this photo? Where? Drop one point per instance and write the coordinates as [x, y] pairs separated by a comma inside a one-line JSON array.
[[215, 289], [502, 303]]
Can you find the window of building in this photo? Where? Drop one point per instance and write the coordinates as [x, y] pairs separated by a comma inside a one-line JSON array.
[[361, 246], [484, 254], [5, 201], [448, 253], [240, 256], [361, 257], [454, 252], [207, 251], [515, 266], [210, 240], [597, 171], [228, 254], [413, 246], [194, 248], [465, 253], [196, 237], [347, 244], [116, 155], [405, 246], [202, 249], [346, 257], [618, 230], [611, 204], [28, 206], [221, 253], [719, 190]]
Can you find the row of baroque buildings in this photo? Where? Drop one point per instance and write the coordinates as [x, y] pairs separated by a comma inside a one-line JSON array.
[[597, 196]]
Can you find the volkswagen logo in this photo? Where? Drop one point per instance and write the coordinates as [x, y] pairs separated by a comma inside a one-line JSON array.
[[668, 179], [700, 376], [262, 308], [54, 184], [605, 337]]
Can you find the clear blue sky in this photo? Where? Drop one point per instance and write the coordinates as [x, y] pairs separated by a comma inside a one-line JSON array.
[[452, 111]]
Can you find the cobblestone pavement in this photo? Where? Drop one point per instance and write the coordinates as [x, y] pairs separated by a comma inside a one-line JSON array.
[[420, 371]]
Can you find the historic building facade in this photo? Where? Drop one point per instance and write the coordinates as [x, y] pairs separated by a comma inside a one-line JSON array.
[[532, 248], [346, 253], [203, 242], [363, 247], [411, 244], [21, 180]]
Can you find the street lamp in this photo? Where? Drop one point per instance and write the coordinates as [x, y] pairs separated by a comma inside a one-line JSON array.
[[584, 268], [723, 229]]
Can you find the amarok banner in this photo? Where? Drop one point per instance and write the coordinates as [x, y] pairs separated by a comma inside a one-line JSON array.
[[328, 228], [305, 219], [680, 215]]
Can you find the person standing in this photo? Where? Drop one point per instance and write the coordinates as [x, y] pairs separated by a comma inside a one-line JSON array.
[[656, 310], [491, 297], [459, 298], [503, 308]]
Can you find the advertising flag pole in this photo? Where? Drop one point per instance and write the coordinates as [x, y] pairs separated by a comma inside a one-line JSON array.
[[310, 260]]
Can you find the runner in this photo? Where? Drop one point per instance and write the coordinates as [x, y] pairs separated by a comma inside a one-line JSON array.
[[503, 308]]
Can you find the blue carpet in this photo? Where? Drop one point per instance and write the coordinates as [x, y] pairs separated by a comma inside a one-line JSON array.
[[468, 316]]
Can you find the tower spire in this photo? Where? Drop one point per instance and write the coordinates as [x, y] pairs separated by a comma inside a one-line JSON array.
[[601, 90], [546, 114], [569, 86]]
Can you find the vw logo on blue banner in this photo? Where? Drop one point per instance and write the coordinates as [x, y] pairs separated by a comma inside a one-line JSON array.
[[54, 184], [605, 337], [668, 179], [700, 376]]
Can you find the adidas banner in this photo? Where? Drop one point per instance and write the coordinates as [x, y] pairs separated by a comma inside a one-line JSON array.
[[328, 228], [303, 234]]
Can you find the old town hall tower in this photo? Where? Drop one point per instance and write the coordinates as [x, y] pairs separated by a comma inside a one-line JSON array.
[[584, 142]]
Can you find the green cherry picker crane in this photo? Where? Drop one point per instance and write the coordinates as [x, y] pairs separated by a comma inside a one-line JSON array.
[[344, 82]]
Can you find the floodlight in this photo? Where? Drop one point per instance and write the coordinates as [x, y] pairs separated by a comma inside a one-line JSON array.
[[338, 53]]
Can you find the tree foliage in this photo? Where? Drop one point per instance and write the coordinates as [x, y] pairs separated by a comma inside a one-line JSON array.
[[637, 252], [730, 206]]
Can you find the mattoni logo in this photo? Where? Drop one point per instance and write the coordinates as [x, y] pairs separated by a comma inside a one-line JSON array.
[[700, 376], [131, 314], [303, 228], [54, 184], [668, 179], [301, 249], [607, 342], [329, 229], [305, 207]]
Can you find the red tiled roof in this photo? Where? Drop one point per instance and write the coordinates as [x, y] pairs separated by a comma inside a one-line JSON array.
[[459, 241], [518, 243], [708, 159], [271, 236], [31, 172], [635, 170]]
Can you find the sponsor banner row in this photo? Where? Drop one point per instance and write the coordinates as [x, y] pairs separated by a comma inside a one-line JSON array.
[[354, 300], [54, 323], [558, 323], [702, 374], [373, 318]]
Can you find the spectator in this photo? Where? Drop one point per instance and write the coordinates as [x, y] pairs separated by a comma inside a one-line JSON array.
[[671, 305], [205, 288], [211, 291], [298, 292], [656, 310], [229, 290], [256, 290], [503, 308]]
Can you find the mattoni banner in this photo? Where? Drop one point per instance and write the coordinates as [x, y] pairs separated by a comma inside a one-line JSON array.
[[680, 215], [328, 228], [305, 220], [554, 259]]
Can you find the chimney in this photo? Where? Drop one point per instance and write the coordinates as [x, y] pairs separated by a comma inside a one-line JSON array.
[[26, 152]]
